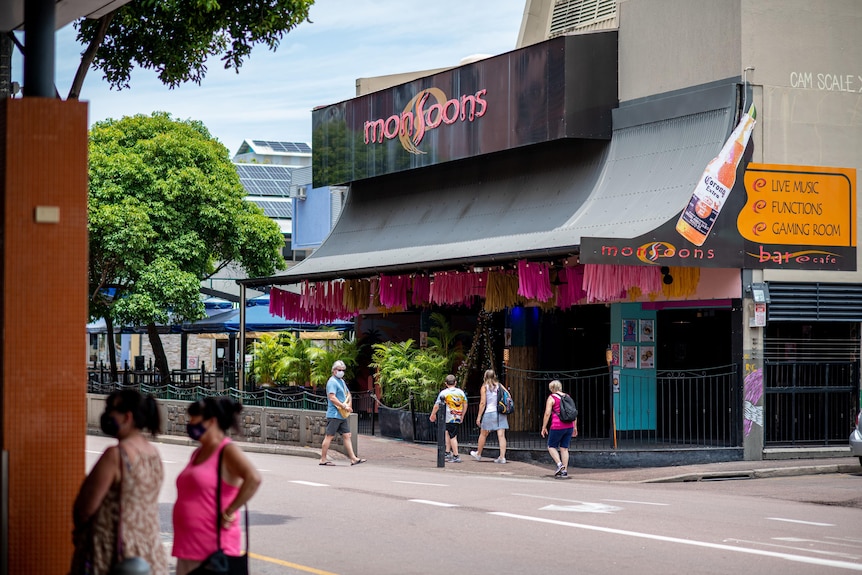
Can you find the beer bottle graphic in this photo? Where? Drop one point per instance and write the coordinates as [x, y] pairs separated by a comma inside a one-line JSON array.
[[698, 217]]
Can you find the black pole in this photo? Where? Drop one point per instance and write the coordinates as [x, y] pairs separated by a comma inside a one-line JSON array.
[[441, 434], [39, 21]]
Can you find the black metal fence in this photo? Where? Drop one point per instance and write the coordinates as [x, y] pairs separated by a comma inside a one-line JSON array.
[[809, 403], [674, 409], [127, 376]]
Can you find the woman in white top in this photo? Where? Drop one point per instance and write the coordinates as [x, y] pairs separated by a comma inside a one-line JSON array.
[[489, 419]]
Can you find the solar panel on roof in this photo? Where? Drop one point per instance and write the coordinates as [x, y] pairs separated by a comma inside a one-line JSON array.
[[282, 210], [261, 180], [286, 147]]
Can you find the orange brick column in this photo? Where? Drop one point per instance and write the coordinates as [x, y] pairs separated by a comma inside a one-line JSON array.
[[43, 166]]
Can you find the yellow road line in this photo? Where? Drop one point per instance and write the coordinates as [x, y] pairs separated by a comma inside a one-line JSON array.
[[289, 564]]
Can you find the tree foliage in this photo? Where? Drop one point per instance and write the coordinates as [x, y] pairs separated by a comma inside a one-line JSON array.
[[176, 37], [167, 211]]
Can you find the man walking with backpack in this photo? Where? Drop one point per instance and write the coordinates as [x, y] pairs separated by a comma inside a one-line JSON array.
[[560, 411]]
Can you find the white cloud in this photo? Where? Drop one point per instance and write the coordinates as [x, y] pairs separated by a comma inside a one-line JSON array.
[[317, 64]]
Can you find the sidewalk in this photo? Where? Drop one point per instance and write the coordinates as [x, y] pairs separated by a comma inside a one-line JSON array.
[[397, 453]]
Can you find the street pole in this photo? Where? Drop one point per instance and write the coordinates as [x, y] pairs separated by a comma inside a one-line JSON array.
[[441, 434], [609, 359]]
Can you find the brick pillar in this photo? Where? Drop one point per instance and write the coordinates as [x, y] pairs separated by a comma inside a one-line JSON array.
[[43, 178]]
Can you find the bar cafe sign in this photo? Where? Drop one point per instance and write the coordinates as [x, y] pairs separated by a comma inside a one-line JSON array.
[[799, 217]]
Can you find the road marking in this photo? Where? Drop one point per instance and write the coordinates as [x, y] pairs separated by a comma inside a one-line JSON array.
[[296, 566], [436, 503], [420, 483], [797, 558], [580, 506], [583, 507], [635, 502], [802, 522], [309, 483], [798, 548]]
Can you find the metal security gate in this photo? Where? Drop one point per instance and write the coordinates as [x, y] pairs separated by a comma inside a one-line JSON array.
[[809, 403], [811, 363]]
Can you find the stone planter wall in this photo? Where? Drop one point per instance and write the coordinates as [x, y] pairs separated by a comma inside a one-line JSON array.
[[270, 425]]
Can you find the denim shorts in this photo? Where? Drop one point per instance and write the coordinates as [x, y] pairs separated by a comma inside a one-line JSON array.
[[558, 438], [492, 420]]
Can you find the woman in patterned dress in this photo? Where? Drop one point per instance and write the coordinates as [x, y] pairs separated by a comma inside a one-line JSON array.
[[132, 495]]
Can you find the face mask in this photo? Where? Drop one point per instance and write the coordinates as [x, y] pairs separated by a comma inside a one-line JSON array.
[[339, 374], [109, 425], [195, 430]]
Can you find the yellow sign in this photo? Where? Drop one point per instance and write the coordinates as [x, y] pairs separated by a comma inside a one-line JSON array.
[[799, 205]]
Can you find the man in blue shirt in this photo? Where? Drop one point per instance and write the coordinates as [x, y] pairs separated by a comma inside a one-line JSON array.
[[338, 409]]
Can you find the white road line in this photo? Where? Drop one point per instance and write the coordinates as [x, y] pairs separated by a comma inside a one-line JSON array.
[[797, 548], [309, 483], [435, 503], [420, 483], [796, 558], [800, 521], [824, 541], [635, 502]]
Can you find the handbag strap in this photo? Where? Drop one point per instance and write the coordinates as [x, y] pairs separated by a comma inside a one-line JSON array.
[[119, 550], [218, 503]]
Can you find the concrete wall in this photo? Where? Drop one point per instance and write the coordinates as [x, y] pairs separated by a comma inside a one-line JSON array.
[[271, 425], [667, 45], [807, 79]]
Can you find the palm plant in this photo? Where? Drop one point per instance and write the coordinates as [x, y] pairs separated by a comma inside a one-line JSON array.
[[404, 371], [294, 367], [267, 352], [443, 339], [322, 358]]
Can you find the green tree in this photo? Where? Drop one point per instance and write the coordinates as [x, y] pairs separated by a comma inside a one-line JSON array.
[[176, 37], [167, 211]]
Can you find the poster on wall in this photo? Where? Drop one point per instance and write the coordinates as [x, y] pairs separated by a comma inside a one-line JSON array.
[[647, 357], [615, 354], [630, 332], [616, 380], [647, 330], [630, 356]]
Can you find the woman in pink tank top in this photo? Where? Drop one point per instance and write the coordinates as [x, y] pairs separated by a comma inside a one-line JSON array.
[[195, 536]]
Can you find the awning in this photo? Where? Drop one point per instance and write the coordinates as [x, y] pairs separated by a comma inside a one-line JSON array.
[[534, 202]]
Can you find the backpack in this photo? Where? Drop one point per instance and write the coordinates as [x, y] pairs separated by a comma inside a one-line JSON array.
[[505, 405], [568, 410]]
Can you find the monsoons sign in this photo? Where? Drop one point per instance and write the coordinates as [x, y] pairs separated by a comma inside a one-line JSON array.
[[426, 111]]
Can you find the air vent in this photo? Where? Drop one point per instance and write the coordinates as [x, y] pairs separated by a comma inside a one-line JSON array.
[[570, 15], [814, 302]]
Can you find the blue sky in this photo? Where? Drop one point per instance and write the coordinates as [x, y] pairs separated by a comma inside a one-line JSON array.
[[317, 64]]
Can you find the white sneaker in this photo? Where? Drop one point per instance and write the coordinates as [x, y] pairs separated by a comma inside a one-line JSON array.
[[500, 460], [475, 455]]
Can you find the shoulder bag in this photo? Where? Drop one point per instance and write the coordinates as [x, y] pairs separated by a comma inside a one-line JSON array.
[[348, 399], [219, 563]]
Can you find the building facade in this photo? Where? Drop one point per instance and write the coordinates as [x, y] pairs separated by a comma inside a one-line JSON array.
[[556, 187]]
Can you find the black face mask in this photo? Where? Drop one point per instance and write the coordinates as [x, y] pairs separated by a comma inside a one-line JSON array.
[[109, 425], [195, 430]]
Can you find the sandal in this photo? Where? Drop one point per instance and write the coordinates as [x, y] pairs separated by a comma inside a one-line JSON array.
[[358, 461], [327, 464]]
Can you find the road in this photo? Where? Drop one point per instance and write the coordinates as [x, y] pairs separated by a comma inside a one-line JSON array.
[[375, 519]]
